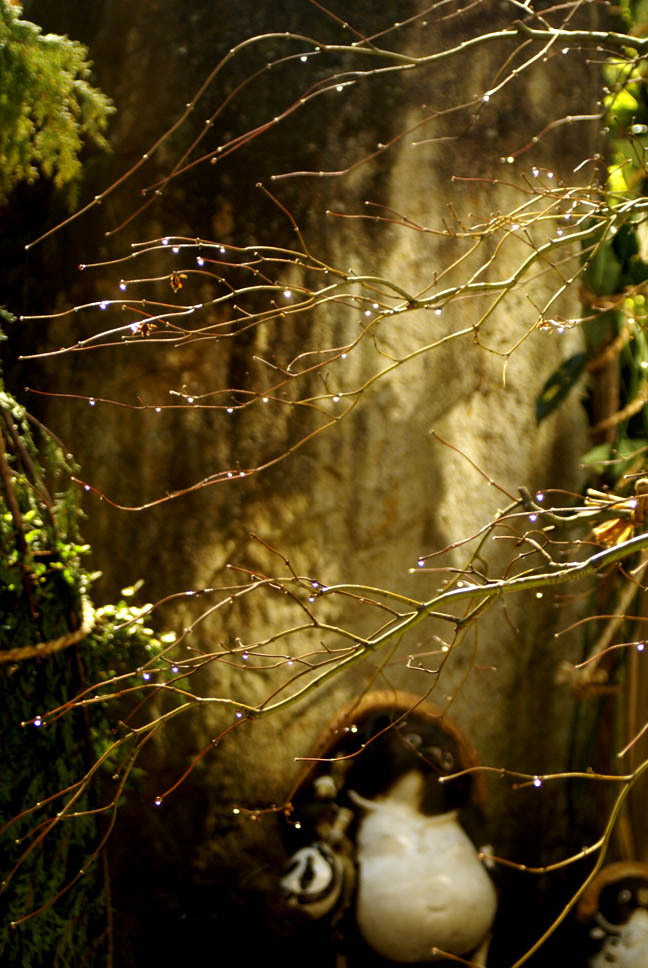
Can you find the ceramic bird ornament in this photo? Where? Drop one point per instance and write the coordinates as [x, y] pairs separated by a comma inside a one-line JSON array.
[[615, 909], [377, 796]]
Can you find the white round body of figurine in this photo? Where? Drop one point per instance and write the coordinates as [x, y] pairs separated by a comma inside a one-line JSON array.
[[422, 888]]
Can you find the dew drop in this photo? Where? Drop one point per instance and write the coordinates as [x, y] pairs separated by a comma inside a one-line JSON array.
[[91, 402], [420, 563], [165, 241], [38, 721], [236, 810], [303, 58], [146, 676], [245, 656], [200, 260], [486, 98], [640, 647], [533, 517], [535, 172], [239, 714], [102, 305], [538, 594], [158, 801], [339, 88], [176, 249], [175, 670], [537, 782], [287, 294], [539, 496], [437, 312], [122, 286], [336, 399], [158, 410], [230, 409], [222, 250]]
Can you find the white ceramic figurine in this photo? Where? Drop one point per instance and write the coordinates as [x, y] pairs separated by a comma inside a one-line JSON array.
[[615, 910], [422, 889], [377, 814]]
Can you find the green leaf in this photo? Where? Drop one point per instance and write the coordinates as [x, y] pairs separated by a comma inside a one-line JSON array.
[[637, 271], [559, 384], [625, 242], [598, 457], [603, 273], [640, 11]]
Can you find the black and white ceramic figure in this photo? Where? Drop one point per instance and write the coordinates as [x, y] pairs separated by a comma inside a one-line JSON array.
[[313, 879], [378, 798], [616, 913]]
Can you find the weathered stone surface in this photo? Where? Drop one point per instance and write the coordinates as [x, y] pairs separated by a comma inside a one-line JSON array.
[[360, 502]]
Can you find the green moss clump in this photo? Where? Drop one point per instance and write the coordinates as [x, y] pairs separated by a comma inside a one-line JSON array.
[[45, 600]]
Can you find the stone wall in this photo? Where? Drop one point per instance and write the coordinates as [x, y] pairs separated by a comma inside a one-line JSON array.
[[359, 503]]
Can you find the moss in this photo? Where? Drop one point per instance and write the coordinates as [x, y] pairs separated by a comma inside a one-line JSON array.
[[44, 594]]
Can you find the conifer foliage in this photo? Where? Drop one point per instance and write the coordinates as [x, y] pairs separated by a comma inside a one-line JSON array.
[[53, 645], [48, 107]]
